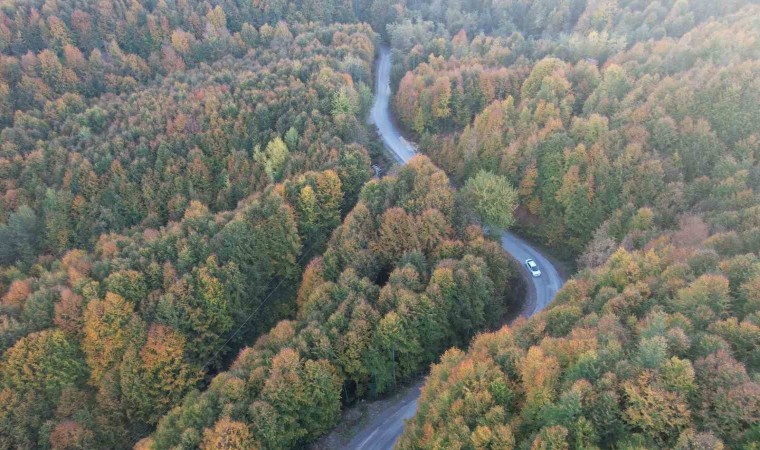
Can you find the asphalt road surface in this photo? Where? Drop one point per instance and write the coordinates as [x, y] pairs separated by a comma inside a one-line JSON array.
[[380, 114], [541, 290], [386, 427]]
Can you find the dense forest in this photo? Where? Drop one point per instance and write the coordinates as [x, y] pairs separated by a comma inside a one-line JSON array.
[[194, 253], [162, 192], [398, 284], [630, 131], [585, 139], [656, 348], [214, 134]]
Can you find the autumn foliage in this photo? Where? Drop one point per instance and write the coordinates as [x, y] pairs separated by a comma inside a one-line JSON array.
[[630, 133], [193, 253], [396, 285], [159, 201]]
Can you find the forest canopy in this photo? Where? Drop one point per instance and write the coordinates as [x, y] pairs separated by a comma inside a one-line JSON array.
[[194, 252], [630, 131], [148, 233]]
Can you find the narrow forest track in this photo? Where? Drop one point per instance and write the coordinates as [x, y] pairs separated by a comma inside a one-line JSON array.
[[387, 424]]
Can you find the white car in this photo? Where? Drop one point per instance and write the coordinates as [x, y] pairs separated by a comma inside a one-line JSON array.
[[533, 267]]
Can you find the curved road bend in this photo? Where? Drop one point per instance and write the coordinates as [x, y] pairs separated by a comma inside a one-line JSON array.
[[383, 431]]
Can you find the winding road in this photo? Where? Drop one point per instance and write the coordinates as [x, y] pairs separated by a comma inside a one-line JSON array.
[[386, 427]]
